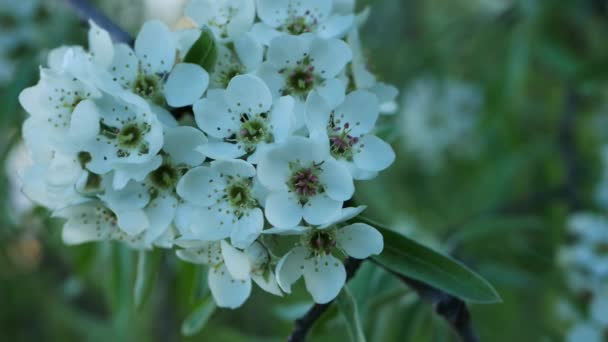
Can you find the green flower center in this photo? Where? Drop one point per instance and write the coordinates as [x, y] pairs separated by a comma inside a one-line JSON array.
[[300, 80], [299, 25], [130, 135], [238, 194], [322, 241], [148, 87], [340, 141]]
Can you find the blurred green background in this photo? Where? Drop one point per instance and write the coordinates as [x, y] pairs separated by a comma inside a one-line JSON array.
[[496, 194]]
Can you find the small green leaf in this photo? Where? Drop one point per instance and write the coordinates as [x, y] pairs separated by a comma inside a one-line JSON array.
[[199, 317], [204, 50], [148, 264], [348, 309], [413, 260]]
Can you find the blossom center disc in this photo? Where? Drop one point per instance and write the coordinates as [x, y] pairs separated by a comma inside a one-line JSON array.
[[322, 242], [305, 182], [301, 80], [148, 86], [253, 131], [341, 142], [239, 196], [130, 135], [299, 25]]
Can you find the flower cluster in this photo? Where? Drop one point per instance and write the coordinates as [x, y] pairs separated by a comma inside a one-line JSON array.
[[263, 138], [439, 118], [585, 259]]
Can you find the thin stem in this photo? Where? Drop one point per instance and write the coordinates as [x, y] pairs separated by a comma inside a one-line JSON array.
[[86, 11], [304, 323]]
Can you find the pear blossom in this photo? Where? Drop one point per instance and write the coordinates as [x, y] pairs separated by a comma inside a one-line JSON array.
[[220, 203], [149, 206], [230, 269], [313, 258], [245, 57], [295, 17], [243, 119], [303, 182], [150, 70], [347, 132], [587, 253], [297, 65], [226, 18]]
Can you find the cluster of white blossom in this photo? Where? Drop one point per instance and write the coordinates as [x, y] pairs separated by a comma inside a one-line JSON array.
[[438, 120], [585, 262], [215, 159]]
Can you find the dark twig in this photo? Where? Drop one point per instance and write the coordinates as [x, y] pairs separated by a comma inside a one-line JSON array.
[[303, 324], [86, 11], [450, 308]]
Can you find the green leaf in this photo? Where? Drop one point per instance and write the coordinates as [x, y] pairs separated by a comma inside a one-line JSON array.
[[199, 317], [203, 51], [413, 260], [148, 265], [348, 308]]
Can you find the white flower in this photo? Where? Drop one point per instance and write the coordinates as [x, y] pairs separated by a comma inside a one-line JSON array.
[[585, 332], [123, 138], [296, 17], [324, 274], [303, 182], [439, 118], [230, 270], [245, 57], [62, 106], [243, 119], [363, 79], [346, 131], [227, 18], [296, 65], [150, 206], [588, 252], [150, 70], [220, 203]]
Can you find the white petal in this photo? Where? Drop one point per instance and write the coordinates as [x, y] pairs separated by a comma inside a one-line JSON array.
[[132, 222], [249, 50], [84, 124], [185, 39], [321, 209], [181, 144], [218, 149], [336, 178], [291, 267], [248, 228], [283, 209], [248, 93], [281, 118], [268, 283], [236, 167], [360, 240], [297, 230], [329, 56], [360, 110], [333, 92], [599, 308], [186, 84], [135, 172], [336, 26], [317, 113], [132, 196], [273, 79], [273, 172], [227, 291], [386, 96], [201, 186], [264, 33], [160, 213], [213, 117], [236, 261], [100, 45], [200, 252], [287, 51], [156, 47], [324, 277], [344, 215], [373, 154], [164, 116], [584, 332], [124, 66]]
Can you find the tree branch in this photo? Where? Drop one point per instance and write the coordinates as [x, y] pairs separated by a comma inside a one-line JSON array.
[[303, 324], [86, 11], [450, 308]]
